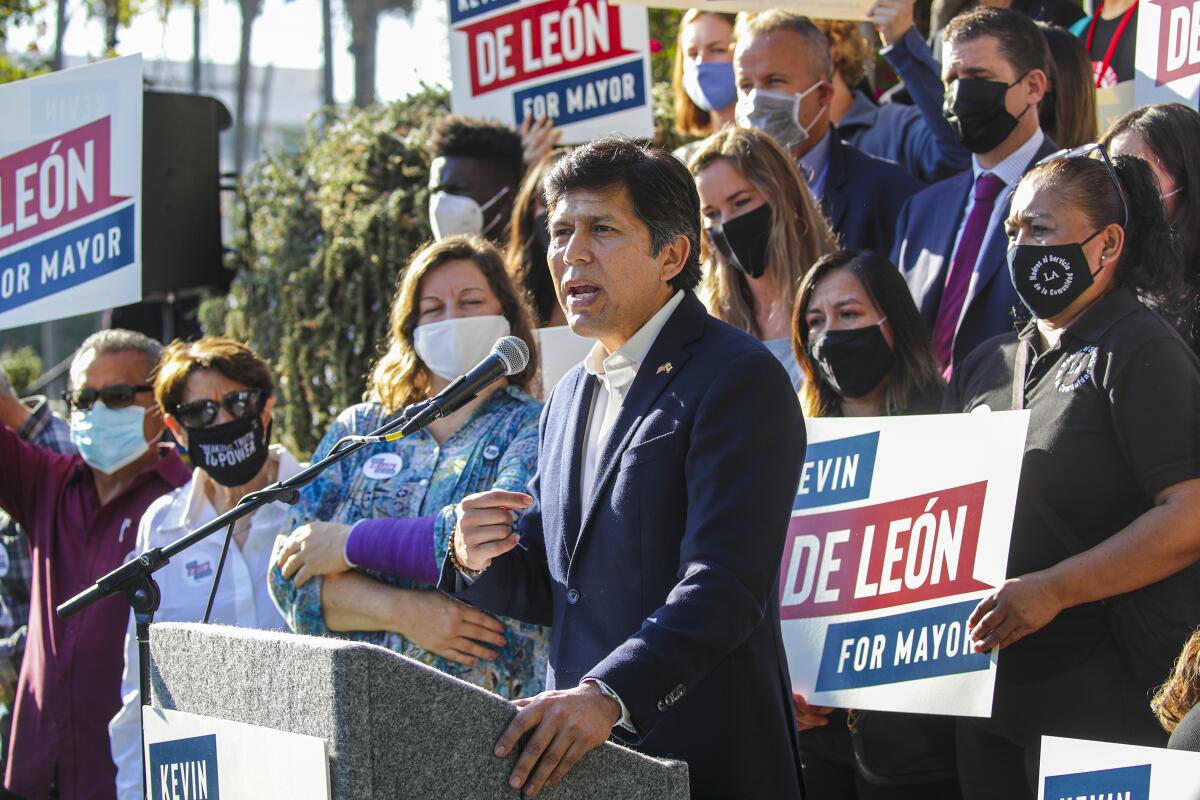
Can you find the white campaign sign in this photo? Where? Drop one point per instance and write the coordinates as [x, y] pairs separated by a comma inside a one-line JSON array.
[[1075, 768], [204, 758], [900, 526], [585, 64], [560, 349], [1167, 57], [71, 192]]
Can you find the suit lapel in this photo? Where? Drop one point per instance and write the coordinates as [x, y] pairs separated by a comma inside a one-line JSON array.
[[684, 326], [571, 471], [835, 199], [930, 283]]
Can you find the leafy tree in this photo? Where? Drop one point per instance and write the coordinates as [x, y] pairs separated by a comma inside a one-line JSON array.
[[322, 235], [13, 13], [364, 42]]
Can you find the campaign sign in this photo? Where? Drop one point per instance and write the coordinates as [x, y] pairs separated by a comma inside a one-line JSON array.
[[1167, 57], [585, 64], [853, 10], [900, 525], [193, 757], [1076, 769], [70, 192]]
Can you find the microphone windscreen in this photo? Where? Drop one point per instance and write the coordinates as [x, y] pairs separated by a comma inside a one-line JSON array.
[[513, 352]]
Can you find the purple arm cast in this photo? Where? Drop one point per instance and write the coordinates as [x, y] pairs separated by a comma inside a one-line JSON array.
[[401, 547]]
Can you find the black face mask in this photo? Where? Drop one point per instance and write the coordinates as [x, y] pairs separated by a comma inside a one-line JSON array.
[[743, 240], [1049, 277], [541, 233], [975, 109], [231, 453], [854, 361]]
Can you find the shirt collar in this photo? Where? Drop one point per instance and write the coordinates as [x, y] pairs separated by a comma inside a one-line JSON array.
[[861, 114], [1012, 168], [196, 508], [1094, 322], [622, 366], [814, 162]]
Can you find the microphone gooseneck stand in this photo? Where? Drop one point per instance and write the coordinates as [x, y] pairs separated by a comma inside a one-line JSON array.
[[135, 578]]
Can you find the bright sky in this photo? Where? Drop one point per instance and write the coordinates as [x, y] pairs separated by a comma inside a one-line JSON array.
[[287, 34]]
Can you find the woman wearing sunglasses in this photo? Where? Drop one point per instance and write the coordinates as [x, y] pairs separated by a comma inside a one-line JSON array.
[[217, 397], [369, 536], [1106, 534]]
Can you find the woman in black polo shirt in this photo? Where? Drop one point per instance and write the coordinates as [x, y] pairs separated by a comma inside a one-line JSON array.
[[1109, 497]]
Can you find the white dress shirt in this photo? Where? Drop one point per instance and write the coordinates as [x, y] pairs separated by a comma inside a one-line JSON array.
[[615, 373], [243, 598]]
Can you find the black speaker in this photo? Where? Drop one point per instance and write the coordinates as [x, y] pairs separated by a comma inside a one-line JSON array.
[[181, 205]]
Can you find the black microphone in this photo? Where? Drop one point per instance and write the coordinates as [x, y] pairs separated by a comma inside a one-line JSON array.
[[509, 356]]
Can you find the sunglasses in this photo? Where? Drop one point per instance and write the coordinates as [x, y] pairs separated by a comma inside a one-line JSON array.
[[202, 413], [118, 395], [1085, 151]]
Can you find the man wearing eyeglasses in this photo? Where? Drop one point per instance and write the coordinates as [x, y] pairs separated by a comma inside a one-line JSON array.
[[80, 513], [950, 241]]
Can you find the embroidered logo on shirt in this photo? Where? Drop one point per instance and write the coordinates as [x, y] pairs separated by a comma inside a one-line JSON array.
[[1076, 369], [491, 452], [198, 570], [382, 466]]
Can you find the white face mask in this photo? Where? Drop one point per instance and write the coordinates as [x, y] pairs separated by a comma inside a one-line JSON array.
[[453, 346], [451, 214], [777, 114]]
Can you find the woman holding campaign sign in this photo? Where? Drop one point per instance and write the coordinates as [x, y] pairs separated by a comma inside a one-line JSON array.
[[762, 231], [864, 350], [368, 537], [1106, 534]]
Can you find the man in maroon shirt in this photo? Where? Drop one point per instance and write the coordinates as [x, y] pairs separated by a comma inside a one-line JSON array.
[[81, 514]]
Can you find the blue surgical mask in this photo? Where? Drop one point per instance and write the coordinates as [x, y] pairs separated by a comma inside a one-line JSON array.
[[710, 85], [109, 438]]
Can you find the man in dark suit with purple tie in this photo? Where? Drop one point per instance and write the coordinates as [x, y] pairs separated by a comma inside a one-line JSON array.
[[652, 534], [950, 239]]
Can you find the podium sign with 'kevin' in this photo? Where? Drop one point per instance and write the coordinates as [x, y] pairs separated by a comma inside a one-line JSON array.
[[1072, 769], [192, 757]]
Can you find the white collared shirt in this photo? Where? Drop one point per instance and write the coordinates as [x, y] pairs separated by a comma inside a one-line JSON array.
[[615, 373], [243, 598]]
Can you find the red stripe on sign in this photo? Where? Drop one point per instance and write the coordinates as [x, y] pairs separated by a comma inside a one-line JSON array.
[[881, 556], [56, 182], [540, 40]]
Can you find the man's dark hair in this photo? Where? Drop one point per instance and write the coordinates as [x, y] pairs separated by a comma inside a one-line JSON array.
[[661, 189], [1021, 41], [478, 138]]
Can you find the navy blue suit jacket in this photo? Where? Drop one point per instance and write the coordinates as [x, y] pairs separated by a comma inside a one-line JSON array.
[[665, 584], [925, 236], [863, 196]]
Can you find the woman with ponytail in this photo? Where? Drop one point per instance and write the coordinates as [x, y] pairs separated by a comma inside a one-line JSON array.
[[1106, 535]]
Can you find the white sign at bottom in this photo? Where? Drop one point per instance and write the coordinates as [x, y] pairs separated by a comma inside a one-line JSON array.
[[204, 758], [1075, 768]]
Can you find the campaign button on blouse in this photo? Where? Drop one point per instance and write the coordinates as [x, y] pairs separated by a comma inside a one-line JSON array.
[[572, 596], [491, 452], [382, 466]]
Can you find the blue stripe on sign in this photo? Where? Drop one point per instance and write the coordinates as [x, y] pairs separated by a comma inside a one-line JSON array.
[[61, 262], [592, 94], [1127, 783], [466, 9], [904, 647], [837, 471]]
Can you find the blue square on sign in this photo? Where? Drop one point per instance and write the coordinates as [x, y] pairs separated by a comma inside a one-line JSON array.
[[184, 768], [1127, 783]]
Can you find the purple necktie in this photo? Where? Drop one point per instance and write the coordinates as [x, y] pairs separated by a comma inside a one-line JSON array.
[[958, 279]]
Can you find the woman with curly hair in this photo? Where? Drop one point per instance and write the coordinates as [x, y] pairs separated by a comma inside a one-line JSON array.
[[1177, 703]]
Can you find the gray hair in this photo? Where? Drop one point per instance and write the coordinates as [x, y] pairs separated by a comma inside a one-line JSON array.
[[113, 340], [778, 19]]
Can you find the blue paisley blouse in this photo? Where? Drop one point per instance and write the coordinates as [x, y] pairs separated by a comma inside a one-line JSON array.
[[415, 477]]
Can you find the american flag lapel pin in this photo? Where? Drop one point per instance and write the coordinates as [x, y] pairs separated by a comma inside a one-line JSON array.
[[664, 369]]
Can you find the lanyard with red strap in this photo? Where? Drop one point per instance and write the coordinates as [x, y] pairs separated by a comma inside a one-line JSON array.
[[1112, 44]]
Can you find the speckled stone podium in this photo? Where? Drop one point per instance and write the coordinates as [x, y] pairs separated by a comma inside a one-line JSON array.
[[395, 728]]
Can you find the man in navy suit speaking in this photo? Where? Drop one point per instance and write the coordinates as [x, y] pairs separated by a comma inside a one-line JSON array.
[[652, 535]]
